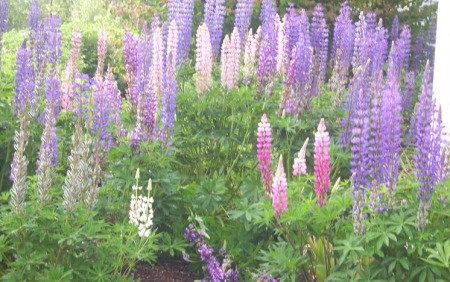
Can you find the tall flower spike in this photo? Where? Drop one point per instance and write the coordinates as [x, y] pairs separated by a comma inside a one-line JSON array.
[[101, 50], [319, 43], [181, 11], [243, 16], [428, 131], [172, 45], [130, 57], [250, 60], [279, 189], [33, 21], [67, 87], [300, 161], [4, 8], [24, 89], [214, 17], [395, 30], [53, 36], [203, 62], [264, 151], [224, 57], [157, 69], [267, 55], [168, 110], [419, 48], [321, 163]]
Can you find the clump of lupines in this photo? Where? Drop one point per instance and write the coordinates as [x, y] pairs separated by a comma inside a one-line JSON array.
[[250, 59], [216, 271], [214, 16], [264, 151], [230, 60], [279, 189], [342, 52], [141, 208], [243, 16], [428, 131], [299, 167], [48, 153], [4, 9], [130, 57], [67, 87], [203, 59], [321, 163], [319, 43], [297, 84], [181, 11]]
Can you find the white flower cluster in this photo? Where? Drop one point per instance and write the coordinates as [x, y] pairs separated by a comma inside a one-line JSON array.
[[141, 209]]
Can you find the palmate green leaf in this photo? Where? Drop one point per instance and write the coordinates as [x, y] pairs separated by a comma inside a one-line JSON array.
[[440, 255], [56, 273], [349, 249]]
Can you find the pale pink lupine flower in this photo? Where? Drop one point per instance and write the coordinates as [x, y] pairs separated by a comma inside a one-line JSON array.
[[281, 41], [101, 50], [279, 189], [203, 59], [234, 58], [250, 59], [67, 86], [321, 163], [172, 44], [300, 161], [156, 72], [224, 57], [264, 152]]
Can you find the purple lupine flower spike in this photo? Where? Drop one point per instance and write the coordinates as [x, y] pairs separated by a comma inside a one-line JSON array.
[[243, 16], [419, 48], [168, 104], [33, 21], [395, 29], [4, 9], [319, 43], [24, 98], [214, 19]]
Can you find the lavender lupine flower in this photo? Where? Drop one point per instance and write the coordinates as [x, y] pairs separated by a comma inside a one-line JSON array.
[[19, 164], [376, 140], [24, 89], [321, 163], [319, 43], [48, 153], [243, 16], [419, 48], [342, 52], [114, 100], [214, 16], [268, 9], [216, 271], [299, 167], [279, 189], [379, 48], [264, 151], [144, 54], [428, 132], [224, 57], [130, 57], [291, 34], [181, 12], [82, 85], [362, 44], [250, 59], [401, 51], [391, 121], [101, 113], [52, 27], [101, 50], [296, 92], [172, 45], [395, 29], [267, 55], [157, 69], [203, 59], [168, 110], [431, 41], [67, 87], [146, 117], [4, 8], [33, 20], [408, 91]]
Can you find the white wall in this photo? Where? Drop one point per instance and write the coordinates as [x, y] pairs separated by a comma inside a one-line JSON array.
[[441, 83]]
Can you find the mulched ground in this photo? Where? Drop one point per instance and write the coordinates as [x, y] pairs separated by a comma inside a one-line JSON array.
[[169, 270]]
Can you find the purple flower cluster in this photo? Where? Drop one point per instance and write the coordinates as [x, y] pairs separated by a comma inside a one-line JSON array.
[[53, 35], [33, 20], [217, 272], [319, 43], [181, 12], [419, 48], [243, 16], [214, 16], [4, 9], [24, 89], [395, 29], [82, 84], [267, 54], [168, 105], [409, 84]]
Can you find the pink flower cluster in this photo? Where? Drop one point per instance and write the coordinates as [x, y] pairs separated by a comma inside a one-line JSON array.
[[230, 60], [264, 150], [321, 163], [203, 59], [279, 189]]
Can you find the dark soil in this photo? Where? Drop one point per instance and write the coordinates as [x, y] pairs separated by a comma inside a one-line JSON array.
[[168, 270]]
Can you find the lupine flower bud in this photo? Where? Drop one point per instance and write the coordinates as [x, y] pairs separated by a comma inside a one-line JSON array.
[[321, 163], [264, 150], [279, 189], [101, 50], [300, 161], [203, 62]]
